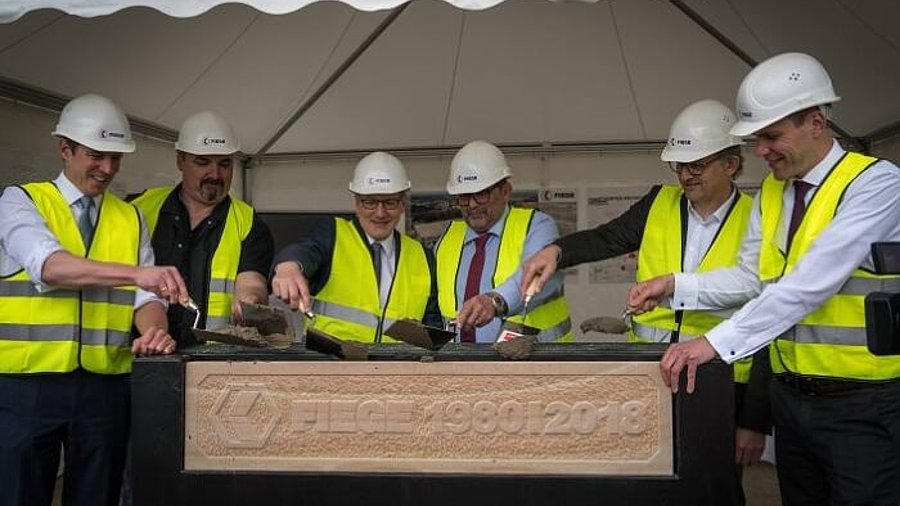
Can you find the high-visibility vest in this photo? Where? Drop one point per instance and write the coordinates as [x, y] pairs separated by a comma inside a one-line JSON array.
[[225, 260], [552, 317], [349, 307], [830, 341], [662, 252], [60, 330]]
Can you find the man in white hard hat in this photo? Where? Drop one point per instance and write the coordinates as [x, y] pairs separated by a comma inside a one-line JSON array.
[[694, 227], [77, 273], [217, 242], [478, 257], [805, 268], [362, 273]]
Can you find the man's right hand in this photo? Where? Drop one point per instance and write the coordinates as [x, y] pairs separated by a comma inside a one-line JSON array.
[[290, 285], [163, 280], [646, 296], [538, 268]]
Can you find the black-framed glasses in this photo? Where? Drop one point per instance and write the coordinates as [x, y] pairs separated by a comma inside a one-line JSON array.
[[388, 204], [481, 197], [693, 168]]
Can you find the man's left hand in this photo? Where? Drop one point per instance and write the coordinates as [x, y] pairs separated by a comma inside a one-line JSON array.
[[690, 354], [237, 314], [155, 341], [475, 312], [748, 446]]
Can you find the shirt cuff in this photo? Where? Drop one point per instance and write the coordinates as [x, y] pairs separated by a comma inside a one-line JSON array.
[[687, 291], [35, 264], [142, 297], [511, 295], [722, 339]]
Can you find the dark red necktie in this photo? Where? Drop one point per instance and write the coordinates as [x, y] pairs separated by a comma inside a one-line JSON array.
[[473, 281], [801, 188]]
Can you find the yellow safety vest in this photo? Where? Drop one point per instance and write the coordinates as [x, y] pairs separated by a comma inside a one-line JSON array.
[[830, 341], [225, 260], [552, 317], [662, 253], [59, 330], [348, 306]]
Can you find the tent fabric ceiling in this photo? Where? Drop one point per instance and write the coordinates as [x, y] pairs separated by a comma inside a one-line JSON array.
[[11, 10], [522, 72]]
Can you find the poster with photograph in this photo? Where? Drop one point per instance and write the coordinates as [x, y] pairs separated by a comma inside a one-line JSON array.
[[605, 204]]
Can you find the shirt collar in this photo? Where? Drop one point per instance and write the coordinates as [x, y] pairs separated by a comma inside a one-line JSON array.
[[818, 173], [496, 229], [387, 244], [721, 212], [70, 192]]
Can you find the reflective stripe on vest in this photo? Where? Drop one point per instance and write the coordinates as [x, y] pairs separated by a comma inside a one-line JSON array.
[[225, 260], [348, 306], [661, 253], [830, 341], [60, 330], [552, 317]]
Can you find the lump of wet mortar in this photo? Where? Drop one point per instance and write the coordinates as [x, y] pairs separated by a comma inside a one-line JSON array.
[[516, 349], [604, 324]]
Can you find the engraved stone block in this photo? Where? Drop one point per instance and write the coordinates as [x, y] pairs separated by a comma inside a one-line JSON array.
[[587, 418]]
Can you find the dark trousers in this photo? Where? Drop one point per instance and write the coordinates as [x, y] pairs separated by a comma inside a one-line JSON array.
[[838, 449], [86, 413]]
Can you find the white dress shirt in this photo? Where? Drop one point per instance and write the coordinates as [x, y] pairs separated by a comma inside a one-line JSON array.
[[868, 212], [26, 242], [388, 266], [699, 238]]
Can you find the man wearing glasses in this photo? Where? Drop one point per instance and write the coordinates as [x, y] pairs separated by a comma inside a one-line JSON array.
[[363, 273], [694, 227], [478, 257]]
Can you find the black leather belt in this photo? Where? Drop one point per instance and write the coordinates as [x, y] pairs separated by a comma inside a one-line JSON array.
[[824, 386]]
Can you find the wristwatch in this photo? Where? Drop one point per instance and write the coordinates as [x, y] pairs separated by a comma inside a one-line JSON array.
[[498, 304]]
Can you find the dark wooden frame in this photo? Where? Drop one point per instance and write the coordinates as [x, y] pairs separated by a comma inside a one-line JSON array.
[[703, 440]]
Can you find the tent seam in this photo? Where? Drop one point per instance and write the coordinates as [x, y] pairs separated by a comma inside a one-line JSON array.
[[462, 28], [628, 77], [208, 68]]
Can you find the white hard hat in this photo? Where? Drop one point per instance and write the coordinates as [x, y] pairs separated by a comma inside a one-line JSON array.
[[96, 122], [700, 130], [207, 133], [478, 165], [779, 87], [377, 173]]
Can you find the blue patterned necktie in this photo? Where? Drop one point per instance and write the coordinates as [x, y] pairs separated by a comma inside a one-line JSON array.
[[84, 220]]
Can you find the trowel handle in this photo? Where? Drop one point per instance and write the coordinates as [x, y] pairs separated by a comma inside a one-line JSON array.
[[532, 289]]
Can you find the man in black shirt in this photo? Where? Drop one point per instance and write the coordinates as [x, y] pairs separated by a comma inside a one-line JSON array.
[[218, 243]]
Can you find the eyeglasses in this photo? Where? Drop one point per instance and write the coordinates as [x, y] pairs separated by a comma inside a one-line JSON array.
[[388, 204], [693, 168], [481, 197]]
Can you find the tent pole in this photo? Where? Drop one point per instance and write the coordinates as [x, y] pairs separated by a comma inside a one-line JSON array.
[[305, 106]]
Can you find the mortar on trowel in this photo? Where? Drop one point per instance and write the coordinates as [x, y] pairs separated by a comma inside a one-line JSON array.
[[260, 326], [516, 340]]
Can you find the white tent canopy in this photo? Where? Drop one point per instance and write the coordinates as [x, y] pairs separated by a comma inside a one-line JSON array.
[[333, 77]]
